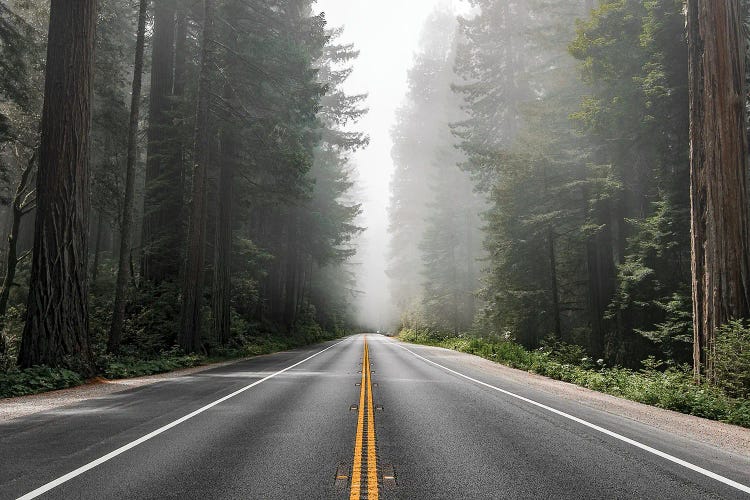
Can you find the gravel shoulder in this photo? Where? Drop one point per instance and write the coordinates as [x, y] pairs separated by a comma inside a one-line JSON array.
[[22, 406], [728, 437]]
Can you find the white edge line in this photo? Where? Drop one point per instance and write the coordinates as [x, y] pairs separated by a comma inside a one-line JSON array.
[[77, 472], [666, 456]]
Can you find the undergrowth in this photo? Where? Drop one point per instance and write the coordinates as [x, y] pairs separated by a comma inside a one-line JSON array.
[[42, 378], [668, 387]]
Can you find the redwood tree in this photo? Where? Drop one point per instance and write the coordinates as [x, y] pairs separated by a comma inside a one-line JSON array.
[[192, 282], [126, 232], [718, 176], [56, 330], [163, 197]]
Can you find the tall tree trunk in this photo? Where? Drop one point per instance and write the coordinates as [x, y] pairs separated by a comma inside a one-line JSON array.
[[290, 286], [190, 335], [19, 207], [158, 262], [57, 326], [470, 271], [555, 292], [223, 234], [97, 248], [178, 164], [720, 232], [118, 313], [601, 276]]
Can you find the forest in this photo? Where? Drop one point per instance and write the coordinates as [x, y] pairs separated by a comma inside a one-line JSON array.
[[176, 184], [545, 195], [569, 195]]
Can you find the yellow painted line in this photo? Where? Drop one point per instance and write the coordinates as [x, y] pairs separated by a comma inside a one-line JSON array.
[[367, 442], [357, 467], [372, 459]]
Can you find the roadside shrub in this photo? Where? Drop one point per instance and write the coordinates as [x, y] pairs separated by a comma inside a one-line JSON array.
[[732, 359], [668, 387], [36, 379], [114, 367], [152, 318]]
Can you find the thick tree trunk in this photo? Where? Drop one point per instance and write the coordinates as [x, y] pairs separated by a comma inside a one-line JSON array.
[[97, 248], [57, 328], [192, 288], [718, 173], [159, 263], [118, 313], [223, 235], [177, 211]]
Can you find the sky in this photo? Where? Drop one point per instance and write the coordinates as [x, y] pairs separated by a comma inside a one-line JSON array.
[[387, 34]]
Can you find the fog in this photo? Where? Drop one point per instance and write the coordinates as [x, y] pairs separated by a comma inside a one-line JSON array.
[[387, 34]]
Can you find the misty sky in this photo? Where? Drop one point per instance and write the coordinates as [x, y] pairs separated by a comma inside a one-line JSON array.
[[387, 34]]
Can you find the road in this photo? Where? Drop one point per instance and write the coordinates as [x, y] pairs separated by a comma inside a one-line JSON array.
[[341, 420]]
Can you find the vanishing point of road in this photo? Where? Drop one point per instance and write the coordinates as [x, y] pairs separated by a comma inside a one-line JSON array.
[[364, 417]]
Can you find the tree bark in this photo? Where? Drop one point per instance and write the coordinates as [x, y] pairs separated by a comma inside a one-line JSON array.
[[118, 313], [158, 262], [291, 270], [192, 287], [97, 248], [720, 241], [223, 235], [601, 276], [57, 327], [19, 207]]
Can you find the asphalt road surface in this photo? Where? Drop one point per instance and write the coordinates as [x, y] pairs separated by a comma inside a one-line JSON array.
[[341, 420]]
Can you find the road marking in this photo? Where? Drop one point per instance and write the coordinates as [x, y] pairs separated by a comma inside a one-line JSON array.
[[654, 451], [364, 444], [355, 492], [372, 456], [119, 451]]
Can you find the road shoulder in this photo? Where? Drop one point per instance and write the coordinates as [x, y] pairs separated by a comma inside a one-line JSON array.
[[731, 438], [11, 408]]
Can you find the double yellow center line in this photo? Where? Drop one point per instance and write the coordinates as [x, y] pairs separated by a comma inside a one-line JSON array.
[[365, 469]]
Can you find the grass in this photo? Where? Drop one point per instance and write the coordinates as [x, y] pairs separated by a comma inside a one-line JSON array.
[[671, 388]]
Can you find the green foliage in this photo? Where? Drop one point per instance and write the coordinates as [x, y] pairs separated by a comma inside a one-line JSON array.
[[577, 132], [152, 318], [114, 367], [672, 388], [137, 364], [435, 213], [36, 379], [731, 357]]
